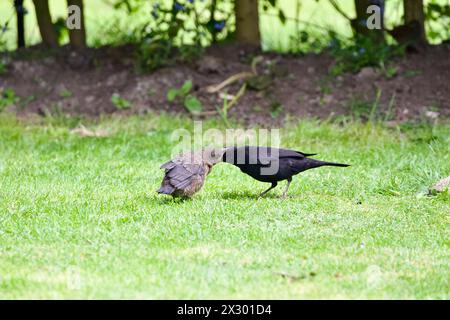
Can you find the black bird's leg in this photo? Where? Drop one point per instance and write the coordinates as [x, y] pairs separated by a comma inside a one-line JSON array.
[[274, 184], [289, 180]]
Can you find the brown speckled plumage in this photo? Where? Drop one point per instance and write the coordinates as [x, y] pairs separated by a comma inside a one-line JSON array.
[[186, 173]]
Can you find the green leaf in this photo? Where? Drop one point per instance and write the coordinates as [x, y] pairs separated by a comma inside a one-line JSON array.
[[187, 86], [119, 102], [433, 34], [172, 94], [193, 104], [304, 36]]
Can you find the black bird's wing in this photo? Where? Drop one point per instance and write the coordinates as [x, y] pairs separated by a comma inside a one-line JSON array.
[[264, 156], [285, 153], [261, 156]]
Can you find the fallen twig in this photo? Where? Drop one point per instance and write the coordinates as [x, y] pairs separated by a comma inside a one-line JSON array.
[[227, 82]]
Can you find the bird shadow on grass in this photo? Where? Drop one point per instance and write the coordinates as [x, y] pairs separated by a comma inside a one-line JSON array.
[[248, 195]]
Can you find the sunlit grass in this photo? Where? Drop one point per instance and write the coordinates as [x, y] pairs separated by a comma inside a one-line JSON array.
[[80, 218]]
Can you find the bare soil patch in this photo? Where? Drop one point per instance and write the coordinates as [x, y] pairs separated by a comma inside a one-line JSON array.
[[294, 86]]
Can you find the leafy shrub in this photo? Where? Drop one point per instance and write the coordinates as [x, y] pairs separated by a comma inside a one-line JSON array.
[[179, 30], [437, 17], [362, 52]]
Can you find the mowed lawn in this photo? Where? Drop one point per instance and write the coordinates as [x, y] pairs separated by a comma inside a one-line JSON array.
[[80, 218]]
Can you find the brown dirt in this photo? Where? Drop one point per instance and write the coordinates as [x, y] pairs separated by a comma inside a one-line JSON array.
[[82, 84]]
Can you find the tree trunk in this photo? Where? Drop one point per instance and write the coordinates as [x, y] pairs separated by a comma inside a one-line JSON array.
[[247, 21], [359, 24], [44, 19], [78, 36], [414, 14], [20, 11]]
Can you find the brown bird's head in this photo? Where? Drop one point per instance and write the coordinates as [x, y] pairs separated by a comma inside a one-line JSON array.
[[212, 156]]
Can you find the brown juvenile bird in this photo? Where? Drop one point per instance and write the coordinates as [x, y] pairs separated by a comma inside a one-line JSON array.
[[186, 173]]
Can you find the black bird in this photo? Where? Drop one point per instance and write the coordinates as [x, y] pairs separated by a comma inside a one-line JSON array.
[[272, 164]]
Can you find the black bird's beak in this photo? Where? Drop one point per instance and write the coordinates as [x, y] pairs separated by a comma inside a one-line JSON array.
[[228, 154]]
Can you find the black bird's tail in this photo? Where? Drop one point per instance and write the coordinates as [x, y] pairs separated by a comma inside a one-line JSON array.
[[333, 164], [308, 163], [304, 164]]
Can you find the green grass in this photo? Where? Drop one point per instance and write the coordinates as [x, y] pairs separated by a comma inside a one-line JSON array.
[[80, 218]]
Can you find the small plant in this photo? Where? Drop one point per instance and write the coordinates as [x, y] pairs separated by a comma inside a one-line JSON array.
[[154, 53], [191, 103], [119, 102], [7, 98], [363, 52], [173, 93], [390, 71], [276, 108], [65, 94]]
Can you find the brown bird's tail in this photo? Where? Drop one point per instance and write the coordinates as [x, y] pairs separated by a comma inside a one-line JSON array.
[[166, 188]]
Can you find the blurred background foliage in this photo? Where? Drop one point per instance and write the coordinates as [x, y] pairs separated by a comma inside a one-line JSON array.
[[282, 22], [164, 30]]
